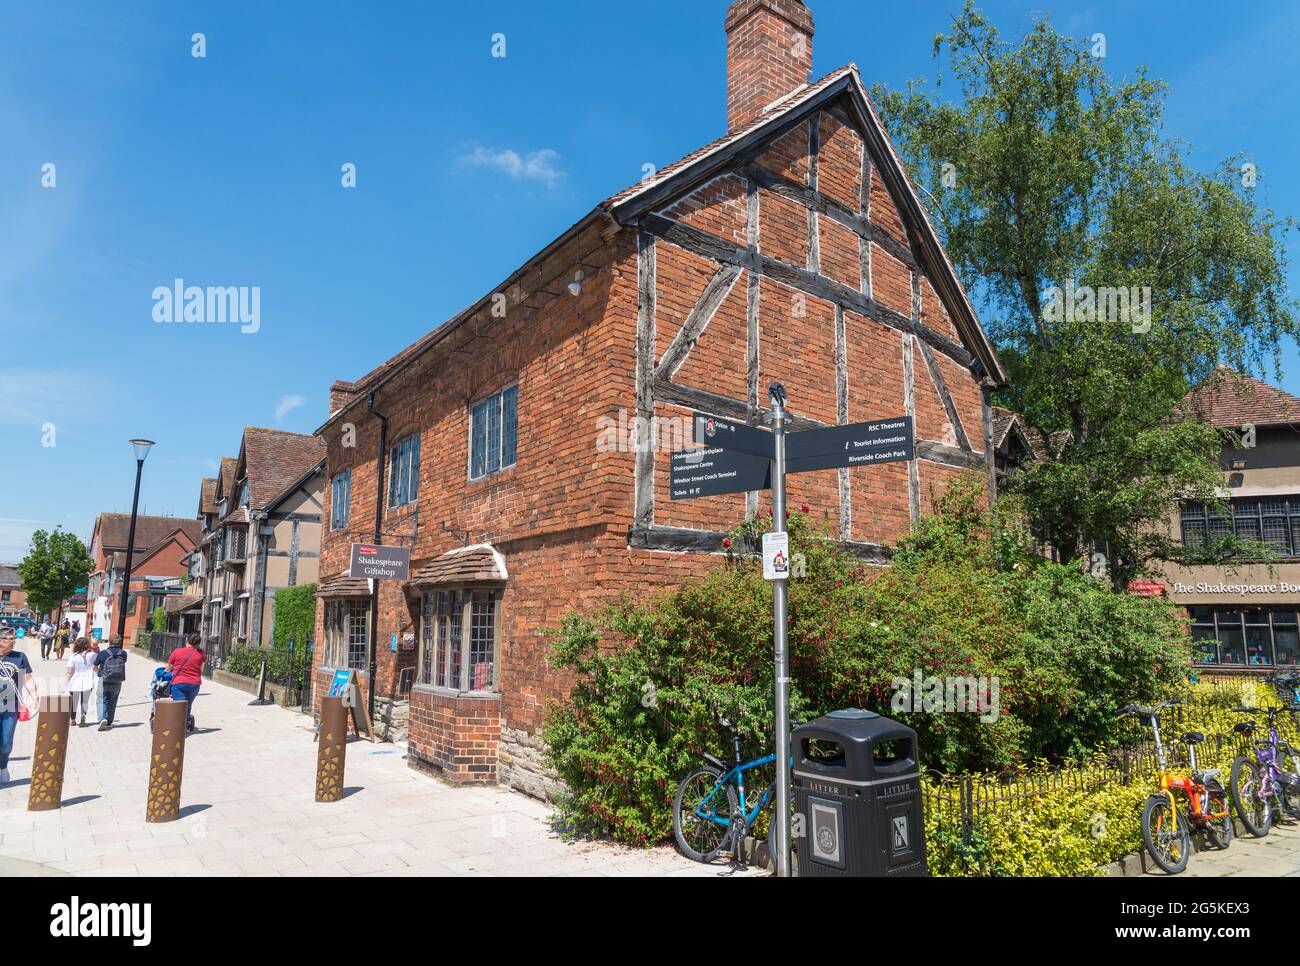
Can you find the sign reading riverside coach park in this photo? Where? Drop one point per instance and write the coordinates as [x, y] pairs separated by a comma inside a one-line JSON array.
[[379, 562], [738, 458]]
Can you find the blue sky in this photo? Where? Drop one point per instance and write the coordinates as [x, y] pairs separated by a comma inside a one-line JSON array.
[[225, 170]]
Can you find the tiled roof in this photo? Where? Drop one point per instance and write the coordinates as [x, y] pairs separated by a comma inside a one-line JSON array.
[[477, 564], [1003, 420], [1230, 398], [180, 602], [114, 528], [274, 459], [228, 464], [341, 585], [790, 100], [208, 495]]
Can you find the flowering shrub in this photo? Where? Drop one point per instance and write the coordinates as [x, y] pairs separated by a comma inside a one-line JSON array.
[[963, 597]]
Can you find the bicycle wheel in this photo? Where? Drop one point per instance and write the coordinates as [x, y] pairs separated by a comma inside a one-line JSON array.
[[1218, 829], [1254, 810], [702, 814], [1170, 847]]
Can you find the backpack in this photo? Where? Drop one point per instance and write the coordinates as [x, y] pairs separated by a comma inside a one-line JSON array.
[[114, 665]]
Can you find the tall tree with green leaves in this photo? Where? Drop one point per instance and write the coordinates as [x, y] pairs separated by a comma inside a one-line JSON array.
[[1113, 276], [57, 563]]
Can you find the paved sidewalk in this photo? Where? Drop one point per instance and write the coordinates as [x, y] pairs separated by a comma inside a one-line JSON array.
[[248, 809], [1276, 854]]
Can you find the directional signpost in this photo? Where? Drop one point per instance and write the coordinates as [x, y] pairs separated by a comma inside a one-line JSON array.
[[736, 458]]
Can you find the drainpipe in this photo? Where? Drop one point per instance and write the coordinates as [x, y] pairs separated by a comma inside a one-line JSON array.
[[373, 636]]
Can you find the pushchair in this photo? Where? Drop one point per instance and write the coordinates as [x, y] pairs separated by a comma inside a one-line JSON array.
[[160, 686]]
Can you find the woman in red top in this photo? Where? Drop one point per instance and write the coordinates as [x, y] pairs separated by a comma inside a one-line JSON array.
[[186, 667]]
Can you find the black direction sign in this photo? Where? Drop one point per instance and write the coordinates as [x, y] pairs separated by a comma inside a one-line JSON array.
[[713, 470], [858, 444], [733, 436]]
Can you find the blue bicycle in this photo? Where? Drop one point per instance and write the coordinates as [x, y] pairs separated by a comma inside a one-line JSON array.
[[716, 806]]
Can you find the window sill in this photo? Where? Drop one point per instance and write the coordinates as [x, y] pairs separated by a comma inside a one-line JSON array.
[[453, 693]]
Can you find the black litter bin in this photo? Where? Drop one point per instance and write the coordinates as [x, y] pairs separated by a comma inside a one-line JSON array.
[[857, 795]]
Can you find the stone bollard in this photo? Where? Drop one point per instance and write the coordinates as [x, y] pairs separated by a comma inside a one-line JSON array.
[[166, 761], [51, 753], [332, 751]]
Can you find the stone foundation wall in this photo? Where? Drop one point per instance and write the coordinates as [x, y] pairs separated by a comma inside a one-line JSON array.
[[521, 766]]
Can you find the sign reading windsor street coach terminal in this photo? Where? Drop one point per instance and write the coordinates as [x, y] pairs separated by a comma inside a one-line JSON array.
[[379, 562], [737, 458]]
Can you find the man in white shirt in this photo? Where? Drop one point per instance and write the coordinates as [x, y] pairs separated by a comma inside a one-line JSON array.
[[47, 639]]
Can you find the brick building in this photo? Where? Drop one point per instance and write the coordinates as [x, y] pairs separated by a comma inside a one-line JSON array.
[[261, 523], [794, 248], [13, 599], [158, 565]]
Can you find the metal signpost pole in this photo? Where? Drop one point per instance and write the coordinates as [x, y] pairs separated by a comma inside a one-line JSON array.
[[776, 393]]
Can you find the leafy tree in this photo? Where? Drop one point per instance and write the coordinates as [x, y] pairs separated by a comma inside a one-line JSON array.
[[57, 563], [1114, 276]]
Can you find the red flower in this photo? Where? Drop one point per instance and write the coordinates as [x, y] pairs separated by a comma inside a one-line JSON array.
[[726, 543], [804, 508]]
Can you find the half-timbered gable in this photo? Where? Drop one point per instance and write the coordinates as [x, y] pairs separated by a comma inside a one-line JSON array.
[[796, 250]]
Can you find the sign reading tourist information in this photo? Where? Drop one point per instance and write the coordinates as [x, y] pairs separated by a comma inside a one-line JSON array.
[[379, 563], [858, 444], [738, 458]]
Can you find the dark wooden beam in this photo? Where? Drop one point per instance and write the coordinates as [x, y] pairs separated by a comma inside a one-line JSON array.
[[645, 366], [714, 404], [936, 452], [710, 246], [941, 386], [682, 539], [718, 288], [818, 202]]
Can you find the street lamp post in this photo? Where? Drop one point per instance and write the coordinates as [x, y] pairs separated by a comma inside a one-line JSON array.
[[141, 451]]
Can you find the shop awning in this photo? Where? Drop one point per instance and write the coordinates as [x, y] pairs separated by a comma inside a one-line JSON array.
[[178, 604], [341, 585], [480, 563]]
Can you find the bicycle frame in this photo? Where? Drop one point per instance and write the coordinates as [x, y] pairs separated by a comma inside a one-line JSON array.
[[736, 776], [1191, 786]]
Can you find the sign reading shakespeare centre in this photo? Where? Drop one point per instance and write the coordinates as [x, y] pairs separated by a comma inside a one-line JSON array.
[[379, 563], [737, 458]]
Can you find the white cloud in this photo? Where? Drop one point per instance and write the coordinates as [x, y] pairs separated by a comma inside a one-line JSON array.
[[287, 405], [541, 165]]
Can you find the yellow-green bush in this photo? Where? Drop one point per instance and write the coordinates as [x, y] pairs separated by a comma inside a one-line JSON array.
[[1095, 819]]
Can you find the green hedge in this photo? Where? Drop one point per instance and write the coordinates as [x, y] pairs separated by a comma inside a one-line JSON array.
[[295, 616]]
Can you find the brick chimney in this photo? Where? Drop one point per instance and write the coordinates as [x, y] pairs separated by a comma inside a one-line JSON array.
[[769, 54]]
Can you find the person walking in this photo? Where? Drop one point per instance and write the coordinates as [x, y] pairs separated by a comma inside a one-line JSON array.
[[61, 639], [15, 676], [47, 639], [110, 666], [81, 679], [186, 668]]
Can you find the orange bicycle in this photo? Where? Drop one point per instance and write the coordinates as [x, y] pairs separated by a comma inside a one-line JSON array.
[[1167, 829]]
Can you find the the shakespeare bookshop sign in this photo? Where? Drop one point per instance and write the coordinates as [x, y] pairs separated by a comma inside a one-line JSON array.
[[1206, 587]]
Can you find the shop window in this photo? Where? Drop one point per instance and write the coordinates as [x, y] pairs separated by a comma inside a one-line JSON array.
[[347, 624], [1274, 520], [459, 639], [494, 433]]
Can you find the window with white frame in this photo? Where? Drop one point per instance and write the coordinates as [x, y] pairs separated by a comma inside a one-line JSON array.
[[404, 472], [341, 500], [458, 637], [493, 433], [347, 623]]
